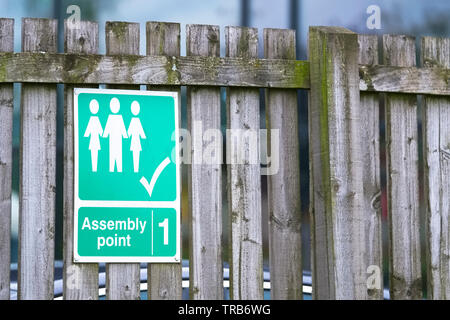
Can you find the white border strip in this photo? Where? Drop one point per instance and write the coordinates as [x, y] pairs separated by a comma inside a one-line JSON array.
[[121, 204]]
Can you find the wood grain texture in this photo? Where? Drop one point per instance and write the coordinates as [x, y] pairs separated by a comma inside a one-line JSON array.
[[402, 177], [164, 279], [387, 78], [436, 53], [370, 138], [6, 127], [122, 279], [205, 174], [80, 279], [207, 71], [154, 70], [244, 176], [37, 171], [337, 202], [284, 185]]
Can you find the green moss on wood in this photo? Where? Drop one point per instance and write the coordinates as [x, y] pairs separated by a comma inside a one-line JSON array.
[[76, 70], [322, 60], [173, 75], [119, 29], [3, 64], [243, 49], [364, 75], [132, 60], [162, 35], [301, 74], [211, 67]]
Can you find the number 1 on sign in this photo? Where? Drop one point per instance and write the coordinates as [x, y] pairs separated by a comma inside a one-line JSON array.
[[165, 225]]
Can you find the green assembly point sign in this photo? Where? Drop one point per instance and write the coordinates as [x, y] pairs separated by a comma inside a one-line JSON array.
[[126, 176]]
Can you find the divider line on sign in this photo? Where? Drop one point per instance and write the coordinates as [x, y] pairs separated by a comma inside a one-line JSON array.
[[152, 233]]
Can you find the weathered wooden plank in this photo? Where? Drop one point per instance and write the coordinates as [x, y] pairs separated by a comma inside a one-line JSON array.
[[206, 71], [122, 279], [402, 177], [387, 78], [436, 130], [337, 201], [320, 248], [163, 39], [6, 126], [153, 70], [205, 174], [80, 279], [370, 137], [284, 185], [164, 279], [244, 176], [37, 171]]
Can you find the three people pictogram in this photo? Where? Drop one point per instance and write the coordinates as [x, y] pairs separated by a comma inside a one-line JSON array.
[[115, 131]]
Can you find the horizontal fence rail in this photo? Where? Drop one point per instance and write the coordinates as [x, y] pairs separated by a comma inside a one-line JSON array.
[[153, 70], [344, 78], [401, 79], [206, 71]]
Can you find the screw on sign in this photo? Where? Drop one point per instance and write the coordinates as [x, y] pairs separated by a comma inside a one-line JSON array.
[[127, 192]]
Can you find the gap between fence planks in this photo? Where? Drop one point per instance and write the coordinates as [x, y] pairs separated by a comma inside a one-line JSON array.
[[122, 279], [37, 171], [370, 138], [402, 177], [244, 176], [80, 279], [164, 280], [436, 133], [6, 150], [337, 200], [205, 174], [283, 186]]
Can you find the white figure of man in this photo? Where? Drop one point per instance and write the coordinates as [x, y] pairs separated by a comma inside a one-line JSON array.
[[115, 130], [136, 132], [94, 131]]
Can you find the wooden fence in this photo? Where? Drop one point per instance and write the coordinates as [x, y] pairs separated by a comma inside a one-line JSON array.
[[346, 81]]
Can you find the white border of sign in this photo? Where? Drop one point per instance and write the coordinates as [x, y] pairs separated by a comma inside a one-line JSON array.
[[123, 204]]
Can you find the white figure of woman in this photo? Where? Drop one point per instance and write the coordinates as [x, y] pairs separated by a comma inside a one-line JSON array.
[[136, 132], [94, 131]]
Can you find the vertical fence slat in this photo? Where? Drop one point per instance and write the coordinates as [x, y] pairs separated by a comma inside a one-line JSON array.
[[244, 176], [436, 130], [80, 279], [338, 241], [37, 171], [402, 177], [284, 185], [370, 138], [164, 279], [6, 126], [122, 279], [321, 260], [205, 174]]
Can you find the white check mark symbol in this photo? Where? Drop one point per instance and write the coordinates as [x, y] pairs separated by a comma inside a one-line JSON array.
[[149, 186]]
